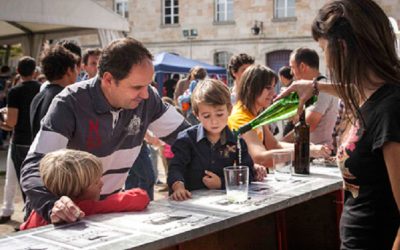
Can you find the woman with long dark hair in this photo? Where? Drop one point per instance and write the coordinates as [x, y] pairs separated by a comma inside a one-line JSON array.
[[360, 53]]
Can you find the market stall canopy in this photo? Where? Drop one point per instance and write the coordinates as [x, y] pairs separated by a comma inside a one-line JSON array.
[[166, 63], [170, 63], [29, 22]]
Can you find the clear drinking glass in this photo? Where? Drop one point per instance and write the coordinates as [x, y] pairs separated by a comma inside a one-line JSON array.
[[282, 163], [236, 183]]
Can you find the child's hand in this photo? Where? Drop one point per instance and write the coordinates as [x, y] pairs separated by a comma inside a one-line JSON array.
[[180, 192], [260, 172], [211, 180], [65, 210], [181, 195]]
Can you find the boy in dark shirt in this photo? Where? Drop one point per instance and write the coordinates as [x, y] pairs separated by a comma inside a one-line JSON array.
[[202, 151], [60, 67]]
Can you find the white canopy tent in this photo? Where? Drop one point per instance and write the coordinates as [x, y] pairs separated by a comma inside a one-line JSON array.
[[31, 22]]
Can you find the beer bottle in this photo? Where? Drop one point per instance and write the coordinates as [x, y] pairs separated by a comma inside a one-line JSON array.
[[301, 162]]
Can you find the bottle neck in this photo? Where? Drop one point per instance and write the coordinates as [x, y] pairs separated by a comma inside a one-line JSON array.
[[243, 129], [302, 118]]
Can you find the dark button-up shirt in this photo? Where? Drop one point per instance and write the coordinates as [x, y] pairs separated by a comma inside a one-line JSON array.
[[194, 153]]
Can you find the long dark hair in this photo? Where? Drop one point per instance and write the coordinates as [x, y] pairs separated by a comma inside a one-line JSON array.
[[361, 44]]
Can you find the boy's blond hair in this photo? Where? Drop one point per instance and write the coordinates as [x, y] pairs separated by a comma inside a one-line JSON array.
[[211, 92], [69, 172]]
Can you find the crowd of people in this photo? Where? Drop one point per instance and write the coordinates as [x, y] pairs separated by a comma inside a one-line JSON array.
[[86, 143]]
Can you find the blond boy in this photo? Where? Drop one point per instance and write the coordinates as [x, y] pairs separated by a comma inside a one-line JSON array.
[[77, 174]]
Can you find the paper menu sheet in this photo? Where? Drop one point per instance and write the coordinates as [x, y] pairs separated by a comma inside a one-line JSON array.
[[160, 220], [82, 234]]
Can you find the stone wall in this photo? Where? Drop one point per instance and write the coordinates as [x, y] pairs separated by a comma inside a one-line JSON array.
[[233, 37]]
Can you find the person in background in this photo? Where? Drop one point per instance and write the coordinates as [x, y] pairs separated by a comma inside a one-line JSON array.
[[41, 78], [60, 68], [199, 74], [360, 53], [256, 92], [11, 182], [237, 65], [73, 47], [77, 174], [182, 85], [38, 71], [285, 77], [170, 85], [10, 187], [202, 151], [5, 84], [17, 112], [15, 80], [90, 61], [5, 77], [321, 116]]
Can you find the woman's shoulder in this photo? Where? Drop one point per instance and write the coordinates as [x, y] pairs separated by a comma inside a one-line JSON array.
[[239, 116], [241, 111], [387, 98], [383, 106]]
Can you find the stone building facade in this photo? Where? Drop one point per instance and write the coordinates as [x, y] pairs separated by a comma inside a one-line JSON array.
[[213, 30]]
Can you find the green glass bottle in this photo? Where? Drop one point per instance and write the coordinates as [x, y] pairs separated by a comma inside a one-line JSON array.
[[282, 109]]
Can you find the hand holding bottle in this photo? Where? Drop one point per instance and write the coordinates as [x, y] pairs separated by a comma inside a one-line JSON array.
[[304, 89]]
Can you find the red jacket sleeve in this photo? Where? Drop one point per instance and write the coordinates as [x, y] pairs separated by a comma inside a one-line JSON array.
[[34, 220], [130, 200]]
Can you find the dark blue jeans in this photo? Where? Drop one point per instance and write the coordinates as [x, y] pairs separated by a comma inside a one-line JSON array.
[[141, 174]]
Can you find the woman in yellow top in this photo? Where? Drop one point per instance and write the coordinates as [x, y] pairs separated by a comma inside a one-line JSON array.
[[255, 93]]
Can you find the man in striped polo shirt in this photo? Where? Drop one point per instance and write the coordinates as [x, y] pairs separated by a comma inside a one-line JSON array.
[[107, 116]]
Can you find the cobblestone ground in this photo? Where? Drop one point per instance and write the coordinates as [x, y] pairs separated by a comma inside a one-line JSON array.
[[17, 217]]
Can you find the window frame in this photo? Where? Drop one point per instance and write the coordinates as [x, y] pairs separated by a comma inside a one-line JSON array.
[[286, 7], [226, 18], [172, 14], [125, 4]]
